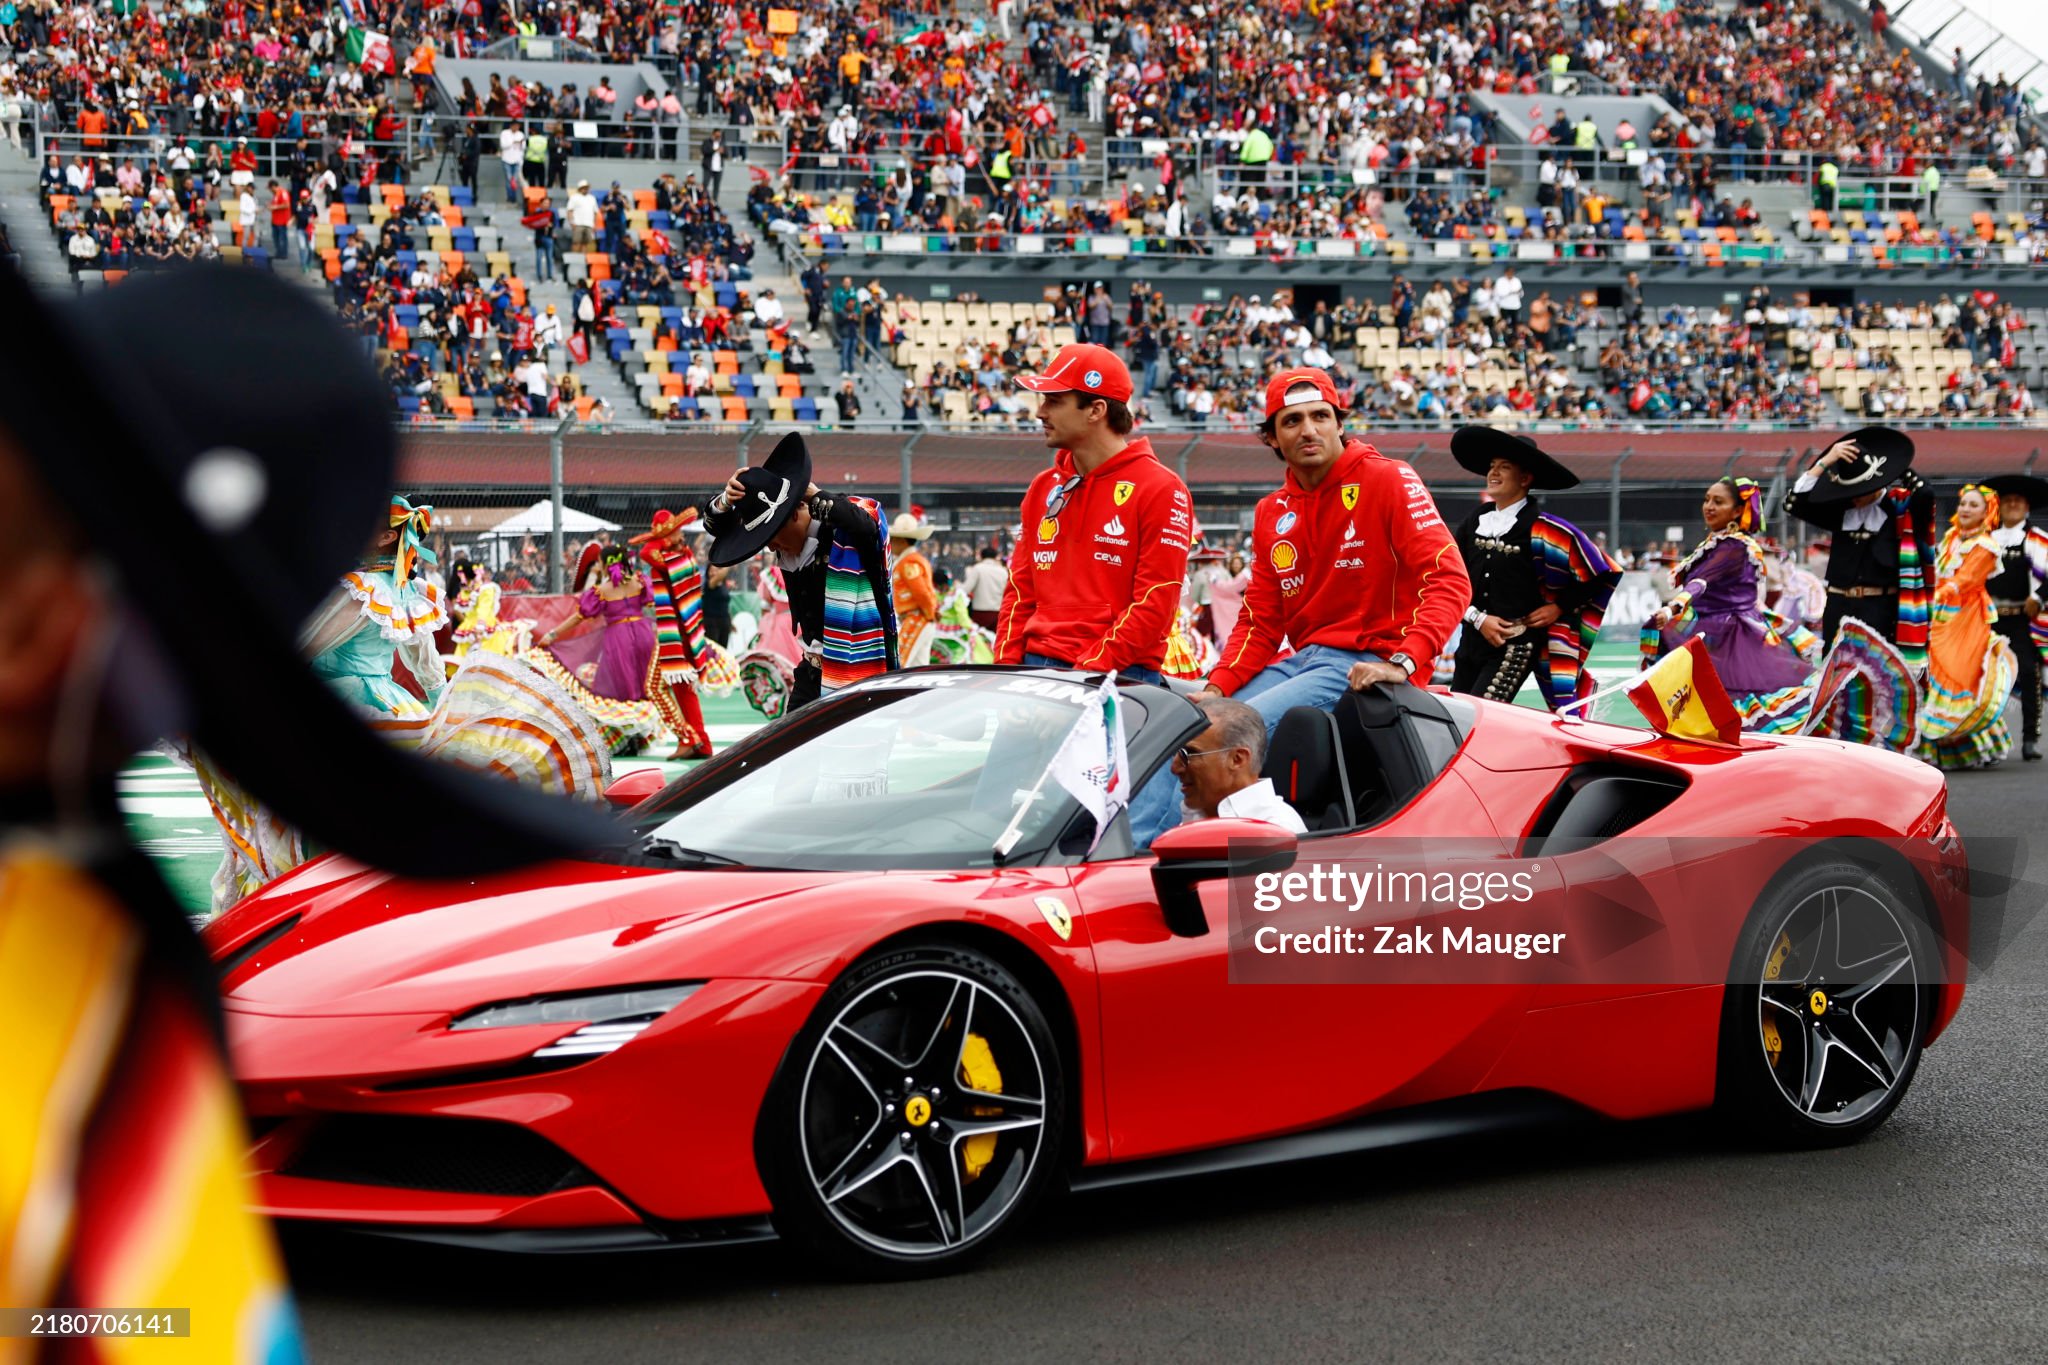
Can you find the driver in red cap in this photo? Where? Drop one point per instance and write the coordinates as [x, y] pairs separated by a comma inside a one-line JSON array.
[[1095, 579], [1351, 563]]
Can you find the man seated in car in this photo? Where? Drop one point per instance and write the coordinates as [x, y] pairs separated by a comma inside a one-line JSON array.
[[1219, 770]]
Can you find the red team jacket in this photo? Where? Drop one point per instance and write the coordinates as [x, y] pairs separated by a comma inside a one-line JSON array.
[[1097, 584], [1361, 562]]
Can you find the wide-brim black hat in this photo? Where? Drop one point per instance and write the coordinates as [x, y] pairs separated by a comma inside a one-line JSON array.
[[1884, 455], [1476, 448], [774, 489], [250, 426], [2034, 490]]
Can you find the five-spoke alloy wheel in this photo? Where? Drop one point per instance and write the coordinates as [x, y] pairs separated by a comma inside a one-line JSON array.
[[1827, 1009], [920, 1111]]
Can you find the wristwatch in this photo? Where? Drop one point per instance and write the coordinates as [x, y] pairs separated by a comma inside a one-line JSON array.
[[1403, 662]]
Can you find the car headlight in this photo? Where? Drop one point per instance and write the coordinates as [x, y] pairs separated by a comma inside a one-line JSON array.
[[610, 1019]]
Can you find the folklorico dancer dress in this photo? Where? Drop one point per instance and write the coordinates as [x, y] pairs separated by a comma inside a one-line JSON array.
[[1520, 559], [1862, 692], [614, 673], [917, 607], [1970, 667], [685, 657], [957, 639], [496, 715], [768, 669], [479, 626]]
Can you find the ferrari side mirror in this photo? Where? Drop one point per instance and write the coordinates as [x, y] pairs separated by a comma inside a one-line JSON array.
[[635, 787], [1212, 850]]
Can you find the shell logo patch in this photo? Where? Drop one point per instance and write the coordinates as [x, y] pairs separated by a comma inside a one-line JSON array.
[[1056, 915], [1349, 493], [1122, 492], [1284, 556], [1048, 527], [1286, 523]]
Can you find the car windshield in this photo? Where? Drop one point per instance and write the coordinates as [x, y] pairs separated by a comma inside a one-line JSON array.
[[912, 770]]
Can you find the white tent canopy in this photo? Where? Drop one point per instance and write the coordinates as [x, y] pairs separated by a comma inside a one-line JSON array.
[[539, 520]]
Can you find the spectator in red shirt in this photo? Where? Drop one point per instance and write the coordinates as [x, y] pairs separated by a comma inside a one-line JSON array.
[[1351, 564], [280, 222]]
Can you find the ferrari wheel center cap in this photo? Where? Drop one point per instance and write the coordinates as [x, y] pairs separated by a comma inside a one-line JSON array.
[[1818, 1002], [918, 1111]]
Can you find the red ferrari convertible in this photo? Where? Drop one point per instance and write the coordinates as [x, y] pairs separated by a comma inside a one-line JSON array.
[[806, 995]]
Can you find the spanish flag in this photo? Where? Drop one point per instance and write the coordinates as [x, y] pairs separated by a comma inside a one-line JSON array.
[[1682, 695]]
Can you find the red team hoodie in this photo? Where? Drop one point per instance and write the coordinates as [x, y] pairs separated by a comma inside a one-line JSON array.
[[1097, 583], [1361, 562]]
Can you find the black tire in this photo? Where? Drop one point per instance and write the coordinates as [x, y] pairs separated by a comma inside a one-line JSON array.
[[1828, 1001], [884, 1151]]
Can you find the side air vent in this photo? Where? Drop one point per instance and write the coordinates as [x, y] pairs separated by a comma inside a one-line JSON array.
[[1597, 802], [256, 945]]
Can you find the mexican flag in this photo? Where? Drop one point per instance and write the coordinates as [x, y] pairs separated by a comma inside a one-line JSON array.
[[1093, 764], [368, 48]]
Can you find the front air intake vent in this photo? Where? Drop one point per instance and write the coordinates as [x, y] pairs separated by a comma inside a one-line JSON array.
[[455, 1156]]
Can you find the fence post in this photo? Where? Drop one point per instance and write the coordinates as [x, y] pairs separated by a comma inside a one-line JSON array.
[[903, 497], [555, 500], [1181, 460], [1614, 502]]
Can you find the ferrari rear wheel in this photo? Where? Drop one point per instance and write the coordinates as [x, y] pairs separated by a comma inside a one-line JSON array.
[[1831, 997], [919, 1114]]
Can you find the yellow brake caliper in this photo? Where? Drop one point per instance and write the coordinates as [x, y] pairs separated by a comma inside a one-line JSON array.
[[978, 1072], [1774, 1046]]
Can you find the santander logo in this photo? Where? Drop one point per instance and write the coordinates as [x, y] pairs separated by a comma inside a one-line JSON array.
[[1113, 527]]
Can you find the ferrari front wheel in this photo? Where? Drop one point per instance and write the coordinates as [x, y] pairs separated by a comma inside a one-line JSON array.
[[919, 1114], [1825, 1013]]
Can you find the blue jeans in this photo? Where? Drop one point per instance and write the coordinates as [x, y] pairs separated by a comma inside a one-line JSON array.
[[511, 181], [544, 258], [1316, 676]]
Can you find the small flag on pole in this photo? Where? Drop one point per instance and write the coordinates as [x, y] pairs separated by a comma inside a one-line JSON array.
[[1092, 762], [1682, 695]]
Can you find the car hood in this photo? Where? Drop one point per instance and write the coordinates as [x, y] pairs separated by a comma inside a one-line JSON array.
[[336, 938]]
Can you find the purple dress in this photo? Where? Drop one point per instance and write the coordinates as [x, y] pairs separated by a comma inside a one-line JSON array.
[[628, 648], [1723, 587]]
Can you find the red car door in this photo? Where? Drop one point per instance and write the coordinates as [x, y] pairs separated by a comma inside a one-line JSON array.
[[1193, 1059]]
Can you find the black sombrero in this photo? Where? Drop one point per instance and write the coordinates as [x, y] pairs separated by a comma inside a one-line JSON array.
[[1884, 454], [2034, 490], [1476, 448], [266, 457], [774, 488]]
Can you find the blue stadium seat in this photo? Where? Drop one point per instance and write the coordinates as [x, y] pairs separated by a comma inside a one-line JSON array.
[[688, 407], [461, 196], [257, 256], [408, 404], [611, 289], [343, 231], [834, 243], [727, 296], [659, 218], [408, 316], [351, 193], [806, 410], [408, 261], [743, 385], [672, 316], [464, 239]]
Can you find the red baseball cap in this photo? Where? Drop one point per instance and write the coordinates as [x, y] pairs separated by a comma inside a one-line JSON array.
[[1084, 369], [1301, 385]]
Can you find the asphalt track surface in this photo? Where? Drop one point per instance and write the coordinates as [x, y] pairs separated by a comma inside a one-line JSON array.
[[1605, 1242]]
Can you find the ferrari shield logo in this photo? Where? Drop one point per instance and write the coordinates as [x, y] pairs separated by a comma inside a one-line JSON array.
[[1349, 492], [1123, 492], [1056, 915]]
